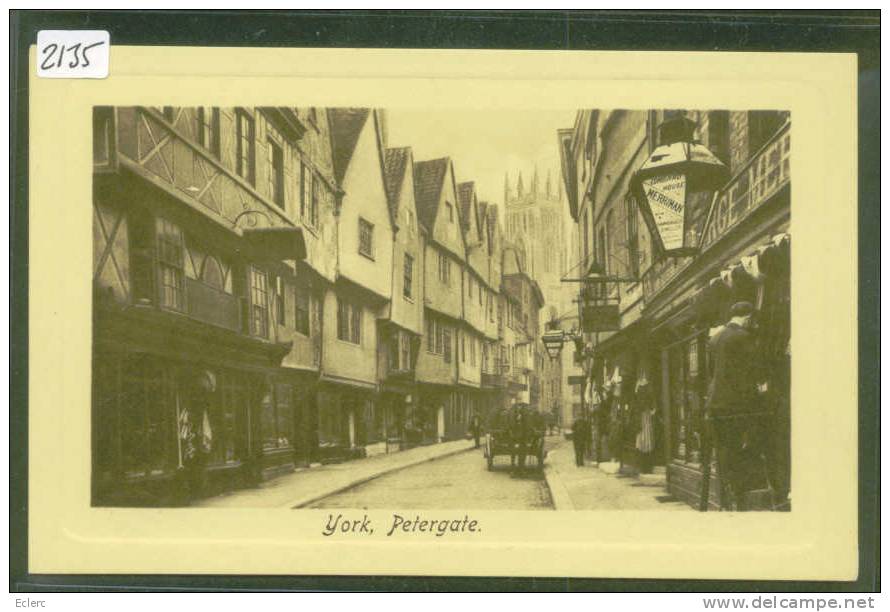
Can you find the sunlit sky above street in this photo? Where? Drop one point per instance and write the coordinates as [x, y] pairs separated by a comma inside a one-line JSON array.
[[484, 144]]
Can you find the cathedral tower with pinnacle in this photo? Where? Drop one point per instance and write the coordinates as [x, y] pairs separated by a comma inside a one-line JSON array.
[[537, 218]]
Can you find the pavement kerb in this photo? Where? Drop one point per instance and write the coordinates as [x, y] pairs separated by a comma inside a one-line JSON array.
[[301, 502], [559, 494]]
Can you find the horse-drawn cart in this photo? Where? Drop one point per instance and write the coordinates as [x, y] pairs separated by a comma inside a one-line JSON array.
[[518, 447]]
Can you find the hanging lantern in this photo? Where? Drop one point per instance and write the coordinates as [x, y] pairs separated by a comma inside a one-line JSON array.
[[675, 188], [553, 340]]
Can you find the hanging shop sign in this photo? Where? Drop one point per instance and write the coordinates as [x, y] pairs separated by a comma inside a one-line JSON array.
[[600, 318], [667, 199]]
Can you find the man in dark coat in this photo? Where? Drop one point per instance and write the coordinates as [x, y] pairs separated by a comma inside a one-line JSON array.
[[733, 406], [518, 436], [476, 429], [580, 438]]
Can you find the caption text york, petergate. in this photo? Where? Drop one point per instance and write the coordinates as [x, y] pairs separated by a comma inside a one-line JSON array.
[[398, 525]]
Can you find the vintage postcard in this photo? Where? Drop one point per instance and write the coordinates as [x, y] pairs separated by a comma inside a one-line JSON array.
[[445, 313]]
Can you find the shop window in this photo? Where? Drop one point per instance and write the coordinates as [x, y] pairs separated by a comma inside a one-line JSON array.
[[208, 129], [333, 426], [147, 409], [259, 303], [277, 417], [170, 264], [245, 160], [226, 417], [275, 172], [366, 238], [686, 388]]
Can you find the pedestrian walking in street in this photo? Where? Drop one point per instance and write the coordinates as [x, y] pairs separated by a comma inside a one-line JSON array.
[[476, 429], [580, 438], [733, 408], [644, 408]]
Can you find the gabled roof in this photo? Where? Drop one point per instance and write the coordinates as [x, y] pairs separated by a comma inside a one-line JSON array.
[[346, 126], [395, 164], [492, 212], [465, 193], [512, 255], [429, 177], [484, 221]]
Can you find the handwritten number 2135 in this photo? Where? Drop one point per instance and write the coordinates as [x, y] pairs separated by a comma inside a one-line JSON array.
[[78, 51]]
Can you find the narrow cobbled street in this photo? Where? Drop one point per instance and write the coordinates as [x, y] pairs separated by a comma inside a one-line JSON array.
[[460, 481]]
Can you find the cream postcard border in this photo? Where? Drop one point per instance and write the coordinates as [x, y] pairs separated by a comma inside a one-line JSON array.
[[817, 540]]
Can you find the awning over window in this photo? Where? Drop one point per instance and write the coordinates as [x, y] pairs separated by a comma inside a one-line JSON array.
[[275, 243], [740, 280]]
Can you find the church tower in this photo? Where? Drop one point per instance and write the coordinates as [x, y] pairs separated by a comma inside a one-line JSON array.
[[506, 189]]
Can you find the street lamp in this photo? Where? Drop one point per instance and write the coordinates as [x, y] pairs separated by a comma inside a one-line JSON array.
[[675, 187], [553, 340]]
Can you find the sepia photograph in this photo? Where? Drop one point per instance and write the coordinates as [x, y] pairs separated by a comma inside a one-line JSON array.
[[462, 315], [345, 300], [471, 309]]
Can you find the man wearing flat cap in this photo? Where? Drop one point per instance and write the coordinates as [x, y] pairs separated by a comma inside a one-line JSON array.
[[733, 402]]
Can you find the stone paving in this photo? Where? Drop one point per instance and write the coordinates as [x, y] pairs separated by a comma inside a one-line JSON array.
[[460, 481], [308, 485], [593, 487]]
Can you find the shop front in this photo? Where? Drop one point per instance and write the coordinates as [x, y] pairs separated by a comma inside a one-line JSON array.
[[347, 421], [429, 418], [682, 338], [396, 405], [624, 406], [175, 404]]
